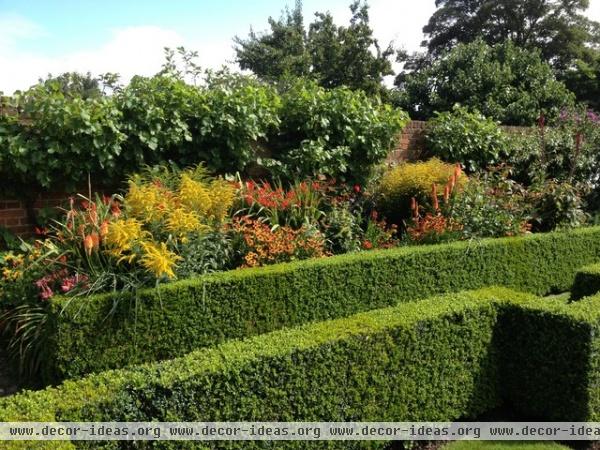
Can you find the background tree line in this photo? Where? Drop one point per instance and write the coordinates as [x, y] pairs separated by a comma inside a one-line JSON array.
[[511, 59]]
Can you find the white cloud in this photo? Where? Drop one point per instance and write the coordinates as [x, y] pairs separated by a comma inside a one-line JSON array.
[[14, 28], [129, 51]]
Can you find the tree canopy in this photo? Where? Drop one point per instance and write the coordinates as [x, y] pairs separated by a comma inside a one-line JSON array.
[[330, 54], [558, 28], [504, 82]]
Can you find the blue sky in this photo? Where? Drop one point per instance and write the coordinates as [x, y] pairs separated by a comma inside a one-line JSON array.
[[42, 36]]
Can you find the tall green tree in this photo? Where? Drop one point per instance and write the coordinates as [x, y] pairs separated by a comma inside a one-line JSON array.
[[558, 28], [584, 80], [331, 55], [505, 82], [348, 56], [277, 53]]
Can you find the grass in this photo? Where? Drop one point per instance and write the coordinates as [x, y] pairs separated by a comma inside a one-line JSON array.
[[504, 445]]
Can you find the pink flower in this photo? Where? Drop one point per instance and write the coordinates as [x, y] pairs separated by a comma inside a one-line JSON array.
[[71, 282], [45, 291]]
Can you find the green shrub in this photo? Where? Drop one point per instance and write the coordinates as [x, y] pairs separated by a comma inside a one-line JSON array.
[[399, 185], [442, 359], [491, 205], [551, 364], [112, 331], [425, 361], [230, 123], [587, 282], [64, 140], [468, 138], [336, 132], [558, 205], [238, 116]]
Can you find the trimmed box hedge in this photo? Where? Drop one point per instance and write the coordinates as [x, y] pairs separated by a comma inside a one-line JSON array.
[[434, 360], [587, 282], [111, 331], [442, 359], [551, 359]]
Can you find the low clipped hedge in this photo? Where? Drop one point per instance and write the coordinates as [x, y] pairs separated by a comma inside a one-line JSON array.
[[442, 359], [433, 360], [587, 282], [112, 331], [551, 359]]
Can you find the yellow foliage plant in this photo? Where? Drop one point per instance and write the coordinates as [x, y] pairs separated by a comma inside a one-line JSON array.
[[410, 180]]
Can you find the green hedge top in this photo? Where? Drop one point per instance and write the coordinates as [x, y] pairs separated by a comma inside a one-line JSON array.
[[107, 331], [587, 282]]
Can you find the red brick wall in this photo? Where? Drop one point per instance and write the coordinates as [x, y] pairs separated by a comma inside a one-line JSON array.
[[14, 214], [411, 144]]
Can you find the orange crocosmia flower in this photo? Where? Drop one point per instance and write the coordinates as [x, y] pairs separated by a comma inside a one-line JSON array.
[[434, 197], [457, 171], [115, 209], [93, 216]]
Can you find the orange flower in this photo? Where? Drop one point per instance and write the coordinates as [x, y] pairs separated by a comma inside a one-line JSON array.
[[457, 171], [115, 209], [434, 197], [88, 244], [104, 229], [95, 240]]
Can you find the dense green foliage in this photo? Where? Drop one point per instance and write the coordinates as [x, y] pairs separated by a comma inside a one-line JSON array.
[[559, 28], [468, 138], [183, 316], [331, 55], [552, 347], [68, 138], [587, 282], [504, 82], [230, 123], [453, 357], [490, 206], [334, 370], [339, 133], [584, 80]]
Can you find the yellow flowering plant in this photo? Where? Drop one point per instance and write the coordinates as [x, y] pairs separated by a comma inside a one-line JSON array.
[[163, 210]]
